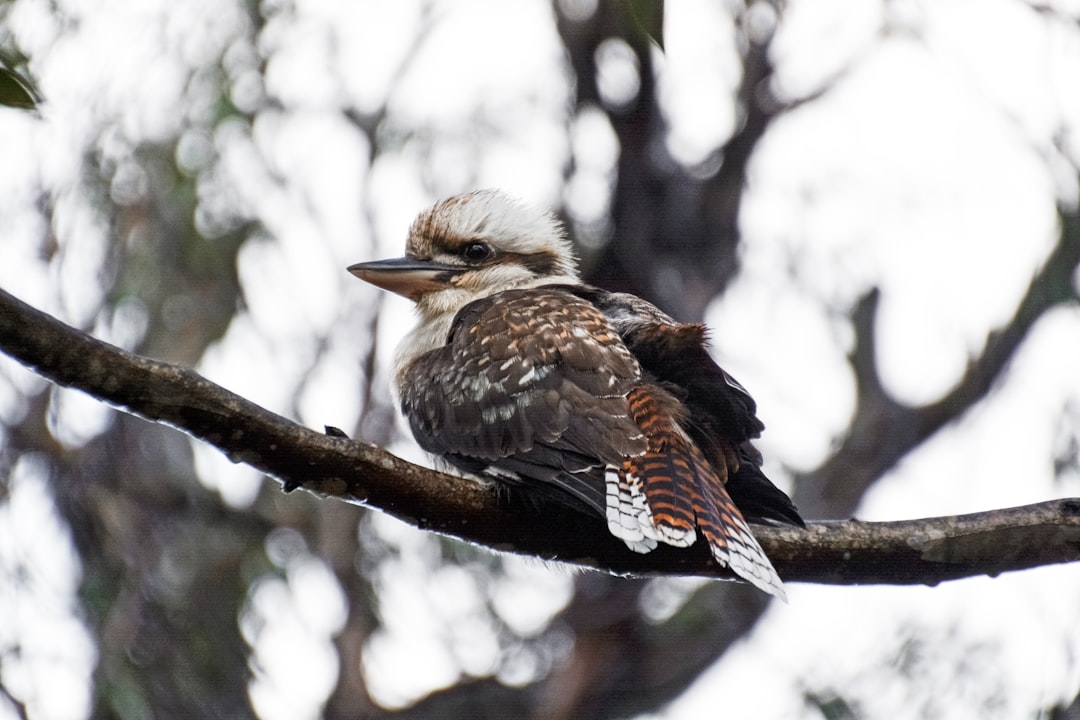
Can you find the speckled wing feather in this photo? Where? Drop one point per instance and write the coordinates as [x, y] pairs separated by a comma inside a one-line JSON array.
[[531, 385]]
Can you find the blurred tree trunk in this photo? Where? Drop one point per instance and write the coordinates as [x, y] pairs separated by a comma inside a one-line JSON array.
[[683, 225]]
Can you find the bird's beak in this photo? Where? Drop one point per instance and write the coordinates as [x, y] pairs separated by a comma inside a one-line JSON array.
[[409, 277]]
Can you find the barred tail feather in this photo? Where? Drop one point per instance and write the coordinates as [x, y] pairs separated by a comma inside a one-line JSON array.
[[628, 514], [670, 491], [732, 544]]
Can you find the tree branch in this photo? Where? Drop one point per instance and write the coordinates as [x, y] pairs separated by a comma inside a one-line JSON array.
[[906, 552]]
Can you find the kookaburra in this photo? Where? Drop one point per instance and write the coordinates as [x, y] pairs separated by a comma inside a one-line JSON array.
[[520, 373]]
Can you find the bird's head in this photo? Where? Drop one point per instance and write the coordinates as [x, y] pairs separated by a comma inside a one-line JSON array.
[[470, 246]]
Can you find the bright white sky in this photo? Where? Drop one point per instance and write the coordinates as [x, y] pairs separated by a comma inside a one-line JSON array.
[[928, 169]]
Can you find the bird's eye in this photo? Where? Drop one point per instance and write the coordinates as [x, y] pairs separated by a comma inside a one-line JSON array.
[[476, 251]]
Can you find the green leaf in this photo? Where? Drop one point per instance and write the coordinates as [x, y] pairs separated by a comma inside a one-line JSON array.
[[16, 91], [647, 17]]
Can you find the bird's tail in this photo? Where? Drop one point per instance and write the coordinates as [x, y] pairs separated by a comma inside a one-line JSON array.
[[671, 491]]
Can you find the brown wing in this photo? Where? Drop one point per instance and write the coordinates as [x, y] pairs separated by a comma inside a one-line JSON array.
[[531, 386]]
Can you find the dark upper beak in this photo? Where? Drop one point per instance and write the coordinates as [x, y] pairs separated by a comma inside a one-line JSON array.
[[407, 276]]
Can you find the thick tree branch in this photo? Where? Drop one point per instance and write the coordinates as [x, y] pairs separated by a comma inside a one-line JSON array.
[[906, 552]]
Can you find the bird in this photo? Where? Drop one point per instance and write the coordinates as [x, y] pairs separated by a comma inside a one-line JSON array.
[[520, 373]]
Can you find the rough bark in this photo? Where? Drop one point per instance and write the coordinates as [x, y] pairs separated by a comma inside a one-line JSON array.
[[924, 551]]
